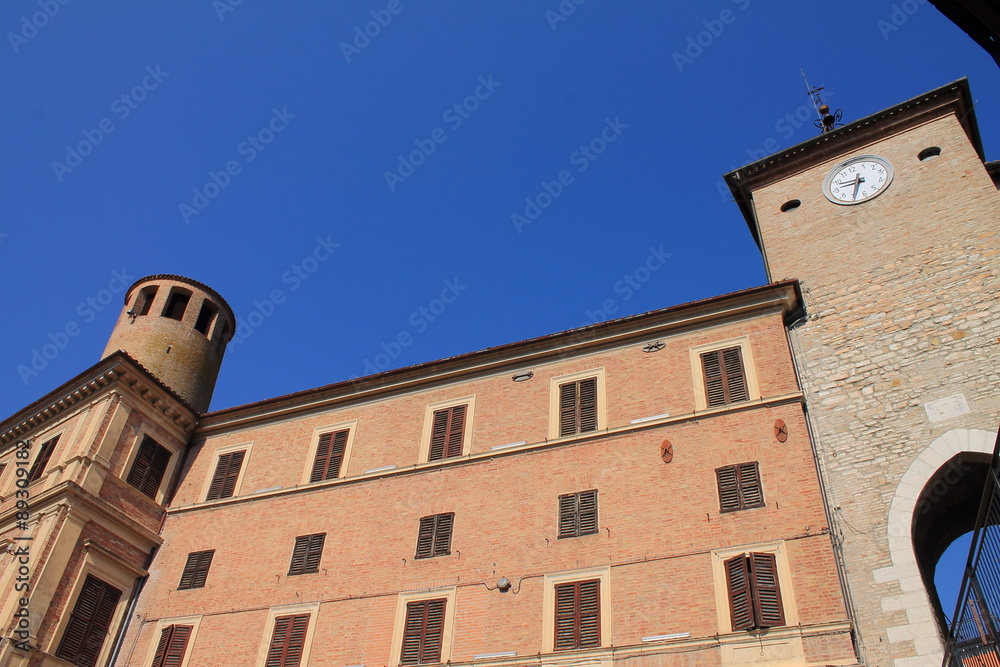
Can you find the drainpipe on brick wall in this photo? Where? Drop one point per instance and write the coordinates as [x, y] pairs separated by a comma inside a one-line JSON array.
[[835, 530], [133, 600]]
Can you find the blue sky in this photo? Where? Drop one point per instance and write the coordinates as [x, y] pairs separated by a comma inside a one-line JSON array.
[[333, 185]]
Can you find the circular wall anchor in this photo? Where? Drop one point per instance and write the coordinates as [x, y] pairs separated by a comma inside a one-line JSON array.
[[667, 451], [780, 431]]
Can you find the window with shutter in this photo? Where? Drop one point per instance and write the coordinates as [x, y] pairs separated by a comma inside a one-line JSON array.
[[754, 595], [578, 407], [196, 569], [447, 433], [149, 467], [42, 460], [578, 615], [307, 554], [89, 623], [227, 472], [329, 456], [423, 632], [288, 641], [725, 380], [739, 487], [434, 538], [578, 514], [173, 642]]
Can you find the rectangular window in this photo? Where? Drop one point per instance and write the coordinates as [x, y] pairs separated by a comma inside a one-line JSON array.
[[754, 596], [227, 471], [307, 554], [423, 633], [329, 456], [578, 514], [173, 643], [739, 487], [149, 467], [578, 407], [725, 380], [196, 569], [448, 433], [434, 538], [578, 615], [176, 304], [89, 623], [42, 460], [287, 641], [205, 317], [145, 301]]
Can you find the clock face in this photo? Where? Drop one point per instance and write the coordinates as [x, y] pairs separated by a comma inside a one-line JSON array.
[[858, 180]]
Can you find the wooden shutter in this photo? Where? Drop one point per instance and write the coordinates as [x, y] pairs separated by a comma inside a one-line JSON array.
[[227, 471], [729, 489], [149, 467], [329, 456], [568, 515], [288, 641], [578, 514], [751, 494], [307, 554], [766, 593], [741, 608], [739, 487], [578, 615], [89, 623], [725, 381], [44, 454], [173, 643], [447, 433], [754, 594], [736, 382], [588, 405], [434, 538], [578, 407], [196, 569], [423, 632]]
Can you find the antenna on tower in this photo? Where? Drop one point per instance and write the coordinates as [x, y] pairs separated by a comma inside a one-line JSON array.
[[826, 121]]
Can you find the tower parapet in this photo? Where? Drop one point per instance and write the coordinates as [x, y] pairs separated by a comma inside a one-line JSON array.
[[178, 329]]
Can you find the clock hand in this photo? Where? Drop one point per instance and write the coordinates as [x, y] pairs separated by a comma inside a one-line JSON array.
[[857, 184]]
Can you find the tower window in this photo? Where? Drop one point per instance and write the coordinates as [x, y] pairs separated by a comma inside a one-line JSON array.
[[929, 153], [145, 300], [205, 317], [177, 304]]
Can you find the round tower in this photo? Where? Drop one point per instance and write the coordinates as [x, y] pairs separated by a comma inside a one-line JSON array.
[[178, 329]]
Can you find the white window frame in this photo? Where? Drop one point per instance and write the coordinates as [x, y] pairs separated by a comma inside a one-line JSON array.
[[428, 428], [602, 401], [698, 371], [351, 426]]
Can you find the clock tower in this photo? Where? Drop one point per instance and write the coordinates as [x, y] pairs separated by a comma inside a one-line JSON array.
[[891, 225]]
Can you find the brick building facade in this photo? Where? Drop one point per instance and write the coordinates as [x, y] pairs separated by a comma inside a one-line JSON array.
[[673, 488]]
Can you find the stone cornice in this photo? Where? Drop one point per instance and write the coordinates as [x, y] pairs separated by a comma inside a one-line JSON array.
[[118, 368]]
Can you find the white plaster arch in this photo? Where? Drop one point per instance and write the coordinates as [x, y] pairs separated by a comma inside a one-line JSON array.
[[920, 628]]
